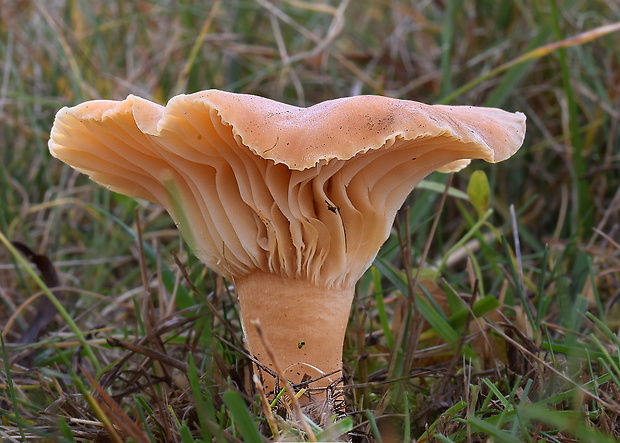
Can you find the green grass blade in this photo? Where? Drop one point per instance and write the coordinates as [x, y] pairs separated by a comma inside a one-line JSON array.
[[337, 429], [449, 414], [439, 188], [481, 307], [373, 427], [65, 430], [496, 392], [447, 39], [241, 417], [383, 317], [204, 406], [492, 430]]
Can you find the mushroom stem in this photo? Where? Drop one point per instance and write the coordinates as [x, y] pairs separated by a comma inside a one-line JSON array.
[[304, 325]]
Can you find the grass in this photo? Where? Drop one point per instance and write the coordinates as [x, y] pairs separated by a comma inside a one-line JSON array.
[[504, 330]]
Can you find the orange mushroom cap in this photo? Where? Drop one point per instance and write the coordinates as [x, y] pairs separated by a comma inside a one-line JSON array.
[[258, 185]]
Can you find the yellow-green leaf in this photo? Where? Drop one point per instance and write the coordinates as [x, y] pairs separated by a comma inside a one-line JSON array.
[[478, 192]]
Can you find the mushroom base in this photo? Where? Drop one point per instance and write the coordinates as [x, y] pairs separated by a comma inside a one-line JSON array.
[[303, 326]]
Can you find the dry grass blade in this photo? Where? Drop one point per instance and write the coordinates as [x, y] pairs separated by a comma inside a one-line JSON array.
[[158, 356], [115, 417], [287, 386], [273, 427]]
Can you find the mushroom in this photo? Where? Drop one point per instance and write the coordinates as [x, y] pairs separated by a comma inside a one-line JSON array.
[[290, 204]]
